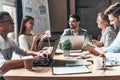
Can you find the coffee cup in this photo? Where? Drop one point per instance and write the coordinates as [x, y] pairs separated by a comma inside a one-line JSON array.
[[28, 62], [98, 63]]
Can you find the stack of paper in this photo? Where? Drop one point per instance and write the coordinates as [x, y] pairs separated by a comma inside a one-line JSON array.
[[70, 70], [83, 53]]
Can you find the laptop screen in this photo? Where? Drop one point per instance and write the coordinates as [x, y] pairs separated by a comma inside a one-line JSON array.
[[77, 41], [54, 49], [52, 53]]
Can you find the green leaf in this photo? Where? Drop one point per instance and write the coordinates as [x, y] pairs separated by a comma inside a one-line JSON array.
[[66, 45]]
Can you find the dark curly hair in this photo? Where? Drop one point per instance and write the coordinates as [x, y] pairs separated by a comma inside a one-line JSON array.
[[114, 9]]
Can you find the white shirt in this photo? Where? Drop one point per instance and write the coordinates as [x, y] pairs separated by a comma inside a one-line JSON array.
[[25, 41], [6, 50]]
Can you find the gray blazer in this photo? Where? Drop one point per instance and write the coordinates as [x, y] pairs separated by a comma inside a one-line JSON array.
[[108, 36], [81, 31]]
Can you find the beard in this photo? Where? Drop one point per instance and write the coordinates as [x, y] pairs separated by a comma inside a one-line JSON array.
[[72, 27]]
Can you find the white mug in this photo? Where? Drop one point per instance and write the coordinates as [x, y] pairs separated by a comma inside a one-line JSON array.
[[98, 63]]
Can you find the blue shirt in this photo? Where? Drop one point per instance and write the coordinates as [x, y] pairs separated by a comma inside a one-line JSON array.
[[115, 46]]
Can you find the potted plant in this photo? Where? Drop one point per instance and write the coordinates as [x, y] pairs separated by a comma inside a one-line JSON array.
[[66, 46]]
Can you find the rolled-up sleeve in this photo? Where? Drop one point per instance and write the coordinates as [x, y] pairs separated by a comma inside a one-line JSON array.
[[17, 49]]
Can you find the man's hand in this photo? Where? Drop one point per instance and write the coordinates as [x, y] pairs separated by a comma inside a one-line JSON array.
[[100, 51], [41, 56], [94, 50]]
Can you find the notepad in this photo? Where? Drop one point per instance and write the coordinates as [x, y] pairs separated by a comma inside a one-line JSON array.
[[70, 70], [77, 63], [75, 51], [84, 53]]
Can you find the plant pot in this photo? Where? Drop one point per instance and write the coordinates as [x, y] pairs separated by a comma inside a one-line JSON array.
[[66, 53]]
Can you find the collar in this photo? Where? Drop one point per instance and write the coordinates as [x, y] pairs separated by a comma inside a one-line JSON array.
[[119, 27], [1, 39]]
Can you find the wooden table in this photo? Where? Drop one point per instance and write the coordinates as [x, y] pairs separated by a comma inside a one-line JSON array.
[[45, 73]]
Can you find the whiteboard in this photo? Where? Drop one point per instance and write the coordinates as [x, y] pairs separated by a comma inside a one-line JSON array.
[[39, 10]]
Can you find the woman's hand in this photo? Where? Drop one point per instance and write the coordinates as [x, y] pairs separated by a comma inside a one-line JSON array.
[[37, 37], [43, 37], [96, 42]]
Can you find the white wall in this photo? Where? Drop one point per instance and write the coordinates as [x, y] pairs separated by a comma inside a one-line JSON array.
[[10, 6], [7, 2]]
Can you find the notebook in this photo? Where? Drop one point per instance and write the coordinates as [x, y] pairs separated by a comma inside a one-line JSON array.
[[50, 59], [77, 41]]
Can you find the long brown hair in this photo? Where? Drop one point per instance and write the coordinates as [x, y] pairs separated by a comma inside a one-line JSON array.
[[23, 22]]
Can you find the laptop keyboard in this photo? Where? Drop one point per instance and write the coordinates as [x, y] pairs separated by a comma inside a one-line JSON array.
[[42, 63]]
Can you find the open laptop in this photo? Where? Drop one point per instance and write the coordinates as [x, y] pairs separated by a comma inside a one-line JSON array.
[[77, 41], [50, 58]]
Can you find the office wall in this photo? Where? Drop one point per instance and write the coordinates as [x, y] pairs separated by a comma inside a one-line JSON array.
[[88, 10], [10, 6], [7, 2], [58, 15], [39, 10]]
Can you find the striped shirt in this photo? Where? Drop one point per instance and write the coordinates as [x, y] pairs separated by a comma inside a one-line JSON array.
[[7, 47]]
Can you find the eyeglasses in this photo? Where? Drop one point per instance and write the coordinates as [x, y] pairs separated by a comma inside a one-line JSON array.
[[9, 22], [72, 21]]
